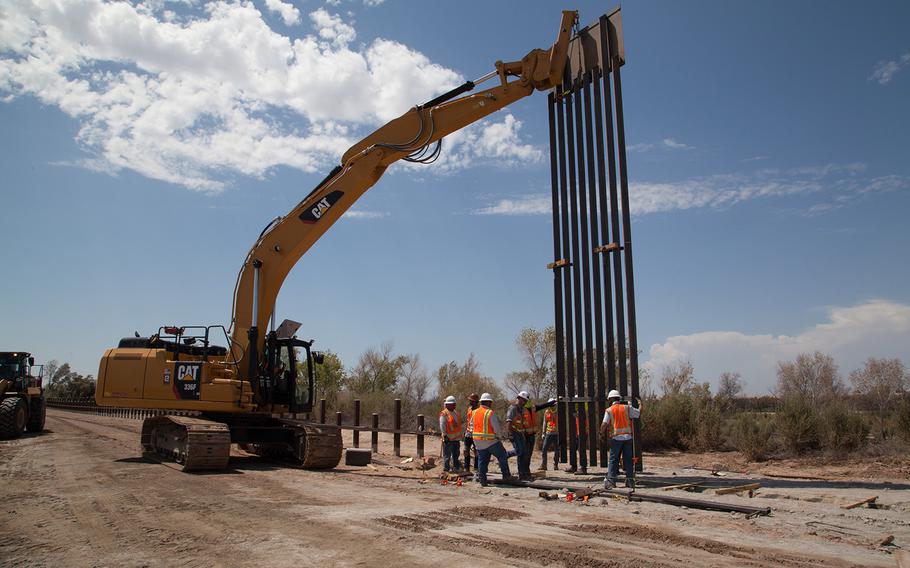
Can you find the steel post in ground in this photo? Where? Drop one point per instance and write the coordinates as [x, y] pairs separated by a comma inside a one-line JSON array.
[[338, 418], [396, 437], [357, 423], [420, 427], [322, 411], [374, 434]]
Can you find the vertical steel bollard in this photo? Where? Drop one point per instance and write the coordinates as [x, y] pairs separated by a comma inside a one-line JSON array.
[[375, 434], [338, 418], [322, 411], [420, 435], [356, 423], [397, 436]]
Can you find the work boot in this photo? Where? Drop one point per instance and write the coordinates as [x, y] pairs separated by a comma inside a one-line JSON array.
[[609, 484], [630, 483], [510, 478]]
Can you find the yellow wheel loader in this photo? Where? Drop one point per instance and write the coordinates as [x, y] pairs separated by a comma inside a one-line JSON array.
[[22, 404], [244, 389]]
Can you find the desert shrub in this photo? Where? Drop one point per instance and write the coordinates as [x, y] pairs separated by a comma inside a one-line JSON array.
[[841, 428], [902, 419], [797, 424], [752, 435], [705, 427], [668, 421]]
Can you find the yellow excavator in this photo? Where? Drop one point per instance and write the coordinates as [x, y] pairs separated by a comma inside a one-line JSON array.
[[244, 391]]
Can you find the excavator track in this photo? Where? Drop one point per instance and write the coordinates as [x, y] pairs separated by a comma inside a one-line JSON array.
[[195, 443], [319, 448], [315, 446]]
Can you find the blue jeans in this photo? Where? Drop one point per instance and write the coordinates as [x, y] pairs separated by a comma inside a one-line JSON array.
[[450, 457], [530, 440], [483, 461], [519, 443], [550, 442], [617, 447]]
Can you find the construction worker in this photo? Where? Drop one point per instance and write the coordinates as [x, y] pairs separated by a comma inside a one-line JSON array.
[[532, 427], [617, 425], [515, 416], [450, 427], [473, 403], [550, 435], [488, 434]]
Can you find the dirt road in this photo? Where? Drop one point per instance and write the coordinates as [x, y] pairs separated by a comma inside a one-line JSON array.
[[80, 495]]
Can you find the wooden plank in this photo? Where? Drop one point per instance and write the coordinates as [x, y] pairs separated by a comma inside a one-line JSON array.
[[681, 486], [738, 489], [867, 500]]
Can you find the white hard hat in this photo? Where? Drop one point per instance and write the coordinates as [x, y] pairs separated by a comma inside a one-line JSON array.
[[614, 394], [485, 397], [524, 395], [551, 400], [450, 399]]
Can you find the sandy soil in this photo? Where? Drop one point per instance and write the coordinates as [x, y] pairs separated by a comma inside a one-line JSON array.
[[81, 495]]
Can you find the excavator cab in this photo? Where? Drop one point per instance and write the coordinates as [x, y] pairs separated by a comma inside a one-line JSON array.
[[290, 377]]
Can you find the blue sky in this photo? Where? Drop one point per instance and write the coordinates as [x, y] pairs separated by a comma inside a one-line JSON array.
[[144, 146]]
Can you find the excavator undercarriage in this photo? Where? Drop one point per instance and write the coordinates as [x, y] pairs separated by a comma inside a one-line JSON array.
[[204, 443]]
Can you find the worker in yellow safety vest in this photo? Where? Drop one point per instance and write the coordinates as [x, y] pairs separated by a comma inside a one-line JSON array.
[[550, 435], [450, 428], [488, 434], [473, 403], [617, 425]]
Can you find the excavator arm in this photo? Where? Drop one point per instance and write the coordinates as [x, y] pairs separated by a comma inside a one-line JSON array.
[[411, 137]]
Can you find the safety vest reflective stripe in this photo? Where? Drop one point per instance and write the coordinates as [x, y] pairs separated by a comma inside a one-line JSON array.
[[481, 429], [620, 419], [453, 422], [551, 417]]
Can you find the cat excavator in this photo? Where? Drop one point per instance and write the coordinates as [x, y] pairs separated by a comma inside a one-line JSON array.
[[250, 391]]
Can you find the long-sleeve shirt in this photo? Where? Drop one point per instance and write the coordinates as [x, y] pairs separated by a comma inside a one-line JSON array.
[[442, 427]]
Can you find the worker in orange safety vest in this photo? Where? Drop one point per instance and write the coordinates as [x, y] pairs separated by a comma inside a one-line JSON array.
[[450, 428], [488, 434], [617, 425]]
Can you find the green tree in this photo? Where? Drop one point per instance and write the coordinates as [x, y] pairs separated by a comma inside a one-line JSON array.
[[377, 371], [462, 380], [330, 377]]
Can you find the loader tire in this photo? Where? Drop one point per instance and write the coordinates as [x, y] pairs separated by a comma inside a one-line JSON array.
[[37, 416], [13, 417]]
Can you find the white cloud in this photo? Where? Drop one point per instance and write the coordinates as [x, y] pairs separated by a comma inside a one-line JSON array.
[[488, 142], [666, 143], [361, 214], [373, 3], [884, 71], [537, 204], [838, 185], [288, 12], [195, 99], [877, 328]]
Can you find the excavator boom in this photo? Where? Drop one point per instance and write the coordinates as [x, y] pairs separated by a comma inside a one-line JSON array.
[[408, 137]]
